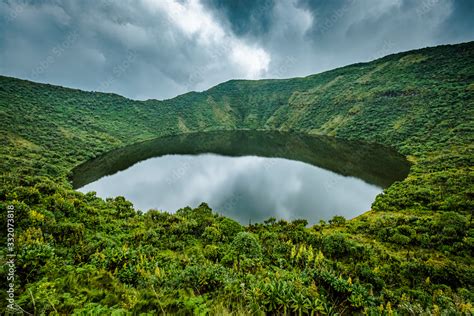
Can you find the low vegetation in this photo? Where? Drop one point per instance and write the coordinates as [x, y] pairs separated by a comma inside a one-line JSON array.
[[412, 254]]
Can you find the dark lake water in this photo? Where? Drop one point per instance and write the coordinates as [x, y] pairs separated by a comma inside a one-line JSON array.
[[247, 175]]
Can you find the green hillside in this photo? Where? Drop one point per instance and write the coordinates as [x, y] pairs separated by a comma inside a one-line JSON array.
[[412, 254]]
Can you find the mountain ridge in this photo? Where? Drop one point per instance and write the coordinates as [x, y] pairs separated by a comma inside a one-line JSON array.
[[426, 48]]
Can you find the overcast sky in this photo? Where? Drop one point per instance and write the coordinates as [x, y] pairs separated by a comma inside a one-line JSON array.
[[146, 49]]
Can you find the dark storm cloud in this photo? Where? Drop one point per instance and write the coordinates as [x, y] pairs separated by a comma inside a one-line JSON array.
[[459, 26], [161, 48], [244, 16]]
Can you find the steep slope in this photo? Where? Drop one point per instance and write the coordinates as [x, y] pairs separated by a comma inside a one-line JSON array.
[[412, 251], [417, 98]]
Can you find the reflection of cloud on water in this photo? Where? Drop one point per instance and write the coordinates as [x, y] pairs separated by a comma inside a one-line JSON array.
[[243, 188]]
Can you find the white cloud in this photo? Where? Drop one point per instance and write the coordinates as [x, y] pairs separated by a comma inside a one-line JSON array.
[[253, 61], [130, 35], [192, 19]]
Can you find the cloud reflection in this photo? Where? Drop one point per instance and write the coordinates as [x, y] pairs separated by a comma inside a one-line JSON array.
[[247, 188]]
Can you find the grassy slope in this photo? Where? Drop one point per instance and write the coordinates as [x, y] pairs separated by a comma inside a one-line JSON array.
[[419, 102]]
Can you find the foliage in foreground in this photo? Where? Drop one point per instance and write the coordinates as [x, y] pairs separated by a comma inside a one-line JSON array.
[[103, 256]]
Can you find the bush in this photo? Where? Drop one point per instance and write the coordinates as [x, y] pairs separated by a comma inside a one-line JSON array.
[[246, 245], [400, 239]]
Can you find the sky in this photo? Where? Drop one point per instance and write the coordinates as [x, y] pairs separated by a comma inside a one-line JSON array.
[[157, 49]]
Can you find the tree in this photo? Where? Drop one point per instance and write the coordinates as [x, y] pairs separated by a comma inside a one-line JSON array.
[[337, 220], [246, 246]]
